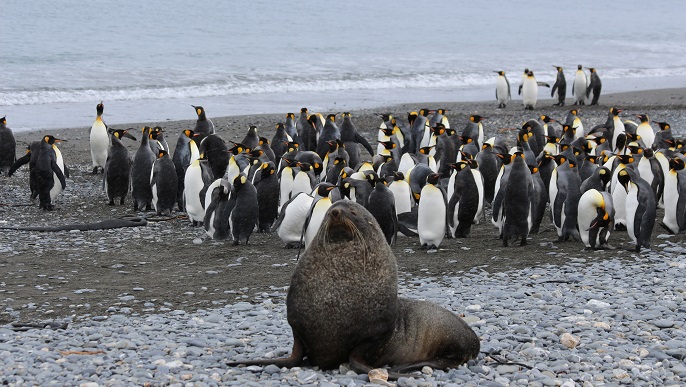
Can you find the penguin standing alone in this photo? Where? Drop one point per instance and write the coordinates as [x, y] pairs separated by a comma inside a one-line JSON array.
[[502, 90], [118, 167], [99, 140], [530, 90], [560, 87], [203, 126], [595, 86], [8, 147], [164, 183]]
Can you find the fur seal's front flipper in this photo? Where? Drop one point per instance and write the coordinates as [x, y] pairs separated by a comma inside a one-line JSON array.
[[295, 360]]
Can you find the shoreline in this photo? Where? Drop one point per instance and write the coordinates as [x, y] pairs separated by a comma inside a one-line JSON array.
[[173, 110]]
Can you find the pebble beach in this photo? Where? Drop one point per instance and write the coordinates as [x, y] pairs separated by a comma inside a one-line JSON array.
[[165, 305]]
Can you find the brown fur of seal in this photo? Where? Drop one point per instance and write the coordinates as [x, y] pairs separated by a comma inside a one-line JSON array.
[[343, 305], [425, 334]]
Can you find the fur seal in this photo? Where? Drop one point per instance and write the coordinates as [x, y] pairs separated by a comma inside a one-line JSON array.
[[343, 305]]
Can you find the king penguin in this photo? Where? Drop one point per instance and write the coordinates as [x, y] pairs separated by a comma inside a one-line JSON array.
[[8, 147], [432, 217], [594, 86], [640, 207], [267, 196], [141, 193], [315, 216], [218, 208], [518, 201], [564, 192], [291, 220], [99, 140], [203, 126], [244, 215], [197, 177], [645, 131], [502, 90], [595, 217], [118, 167], [381, 205], [530, 91], [674, 219], [579, 86], [560, 87], [185, 152], [164, 183], [466, 204], [49, 177]]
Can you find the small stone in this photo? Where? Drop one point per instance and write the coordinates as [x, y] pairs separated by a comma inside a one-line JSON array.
[[197, 241], [569, 341]]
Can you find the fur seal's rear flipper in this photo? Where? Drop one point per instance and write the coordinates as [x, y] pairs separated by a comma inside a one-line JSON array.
[[128, 221], [358, 365], [295, 360]]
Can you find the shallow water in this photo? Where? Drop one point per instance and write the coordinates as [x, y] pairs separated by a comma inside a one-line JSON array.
[[151, 60]]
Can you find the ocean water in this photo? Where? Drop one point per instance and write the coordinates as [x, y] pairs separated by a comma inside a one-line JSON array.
[[150, 60]]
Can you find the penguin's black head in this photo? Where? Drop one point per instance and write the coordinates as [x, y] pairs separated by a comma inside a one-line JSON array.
[[411, 117], [385, 116], [475, 118], [438, 129], [559, 69], [601, 220], [332, 117], [425, 112], [388, 131], [304, 166], [500, 72], [340, 161], [624, 179], [161, 153], [546, 119], [199, 111], [239, 181], [425, 150], [648, 152], [189, 133], [371, 177], [642, 117], [290, 115], [3, 120], [397, 176], [662, 125], [615, 111], [347, 114], [50, 139], [324, 189], [605, 175], [530, 73], [303, 110], [676, 164], [579, 67], [388, 144], [264, 141], [238, 148], [526, 71], [433, 179], [268, 169], [100, 108]]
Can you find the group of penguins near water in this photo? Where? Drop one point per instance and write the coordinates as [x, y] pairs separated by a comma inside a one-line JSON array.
[[422, 179], [582, 87]]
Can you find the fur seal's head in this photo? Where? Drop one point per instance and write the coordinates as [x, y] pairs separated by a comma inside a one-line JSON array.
[[347, 221]]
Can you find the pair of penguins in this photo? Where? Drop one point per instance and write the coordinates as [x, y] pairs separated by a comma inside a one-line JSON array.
[[47, 171], [582, 87]]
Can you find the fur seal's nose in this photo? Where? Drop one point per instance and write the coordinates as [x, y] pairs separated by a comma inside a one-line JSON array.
[[336, 214]]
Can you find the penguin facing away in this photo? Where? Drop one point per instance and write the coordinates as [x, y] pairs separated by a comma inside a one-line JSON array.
[[267, 197], [640, 207], [164, 183], [560, 87], [141, 193], [381, 205], [244, 215], [118, 167], [517, 202], [594, 86], [8, 147]]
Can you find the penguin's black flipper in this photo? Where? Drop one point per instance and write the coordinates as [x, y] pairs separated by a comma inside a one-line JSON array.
[[520, 89], [20, 161], [557, 207], [57, 171], [365, 144], [543, 84]]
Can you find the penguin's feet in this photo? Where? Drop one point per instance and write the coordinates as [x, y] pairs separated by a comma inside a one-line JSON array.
[[523, 242], [620, 227], [423, 247], [121, 202], [432, 249], [111, 203]]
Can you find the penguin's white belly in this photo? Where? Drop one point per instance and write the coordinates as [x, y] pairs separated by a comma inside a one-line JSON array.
[[99, 143], [285, 186], [316, 219], [293, 222], [431, 216], [619, 198], [301, 183], [530, 93], [402, 195], [671, 197], [193, 184], [501, 90]]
